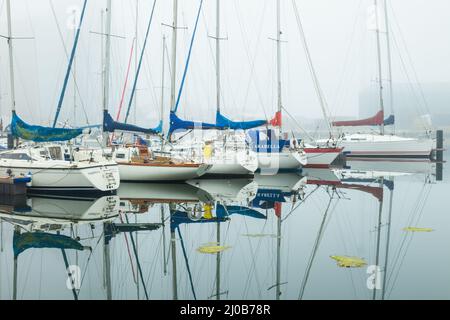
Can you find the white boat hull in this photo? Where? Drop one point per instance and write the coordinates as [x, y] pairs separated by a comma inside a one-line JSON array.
[[148, 173], [321, 157], [64, 175], [388, 146], [272, 162]]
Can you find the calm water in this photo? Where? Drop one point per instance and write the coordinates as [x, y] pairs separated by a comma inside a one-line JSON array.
[[277, 235]]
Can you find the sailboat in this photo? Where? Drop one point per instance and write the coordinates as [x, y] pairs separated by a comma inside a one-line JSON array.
[[275, 152], [382, 145], [46, 164], [137, 162], [224, 148]]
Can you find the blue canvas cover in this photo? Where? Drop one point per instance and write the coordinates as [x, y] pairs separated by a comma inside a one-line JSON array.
[[265, 141], [389, 121], [24, 241], [226, 123], [177, 124], [224, 211], [21, 129]]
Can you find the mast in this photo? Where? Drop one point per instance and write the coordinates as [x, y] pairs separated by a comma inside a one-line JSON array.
[[174, 263], [389, 56], [377, 257], [380, 70], [218, 259], [163, 64], [174, 54], [107, 263], [218, 55], [278, 284], [106, 75], [136, 57], [388, 239], [11, 57], [280, 104], [74, 80]]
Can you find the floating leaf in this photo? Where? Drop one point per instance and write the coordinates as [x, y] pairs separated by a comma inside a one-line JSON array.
[[415, 229], [212, 249], [349, 262]]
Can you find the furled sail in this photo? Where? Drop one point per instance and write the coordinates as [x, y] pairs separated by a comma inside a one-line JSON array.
[[178, 124], [21, 129], [109, 125], [376, 120], [226, 123]]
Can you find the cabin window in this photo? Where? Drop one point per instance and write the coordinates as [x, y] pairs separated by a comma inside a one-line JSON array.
[[120, 156], [15, 156], [55, 153]]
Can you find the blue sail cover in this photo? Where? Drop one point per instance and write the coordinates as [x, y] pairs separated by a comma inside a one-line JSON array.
[[24, 241], [20, 129], [223, 212], [226, 123], [266, 141], [179, 217], [177, 124], [109, 125], [389, 121]]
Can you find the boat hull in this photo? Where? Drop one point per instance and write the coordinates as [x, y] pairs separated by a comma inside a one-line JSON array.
[[321, 157], [159, 173], [62, 176], [375, 146], [269, 162]]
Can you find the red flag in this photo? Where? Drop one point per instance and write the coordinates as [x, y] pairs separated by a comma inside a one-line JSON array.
[[277, 208], [276, 121]]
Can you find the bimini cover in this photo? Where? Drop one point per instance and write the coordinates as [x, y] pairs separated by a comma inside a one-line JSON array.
[[24, 241], [177, 124], [226, 123], [20, 129], [109, 125]]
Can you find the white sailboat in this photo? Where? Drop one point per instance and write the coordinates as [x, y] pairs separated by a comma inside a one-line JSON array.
[[137, 162], [226, 150], [382, 145], [46, 164]]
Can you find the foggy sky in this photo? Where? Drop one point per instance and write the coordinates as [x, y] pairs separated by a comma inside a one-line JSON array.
[[342, 49]]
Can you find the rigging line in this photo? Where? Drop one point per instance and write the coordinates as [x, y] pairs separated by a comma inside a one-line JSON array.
[[129, 253], [314, 251], [252, 62], [183, 79], [124, 89], [346, 60], [298, 125], [312, 70], [410, 59], [302, 201], [405, 237], [130, 102], [137, 261], [72, 56], [406, 250], [187, 263]]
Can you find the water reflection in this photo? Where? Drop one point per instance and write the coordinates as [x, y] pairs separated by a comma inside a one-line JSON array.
[[267, 238]]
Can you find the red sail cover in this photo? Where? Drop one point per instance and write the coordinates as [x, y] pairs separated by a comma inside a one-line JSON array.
[[276, 121], [376, 120]]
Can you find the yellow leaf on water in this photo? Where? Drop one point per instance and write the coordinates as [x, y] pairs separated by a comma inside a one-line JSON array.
[[212, 249], [415, 229], [349, 262]]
